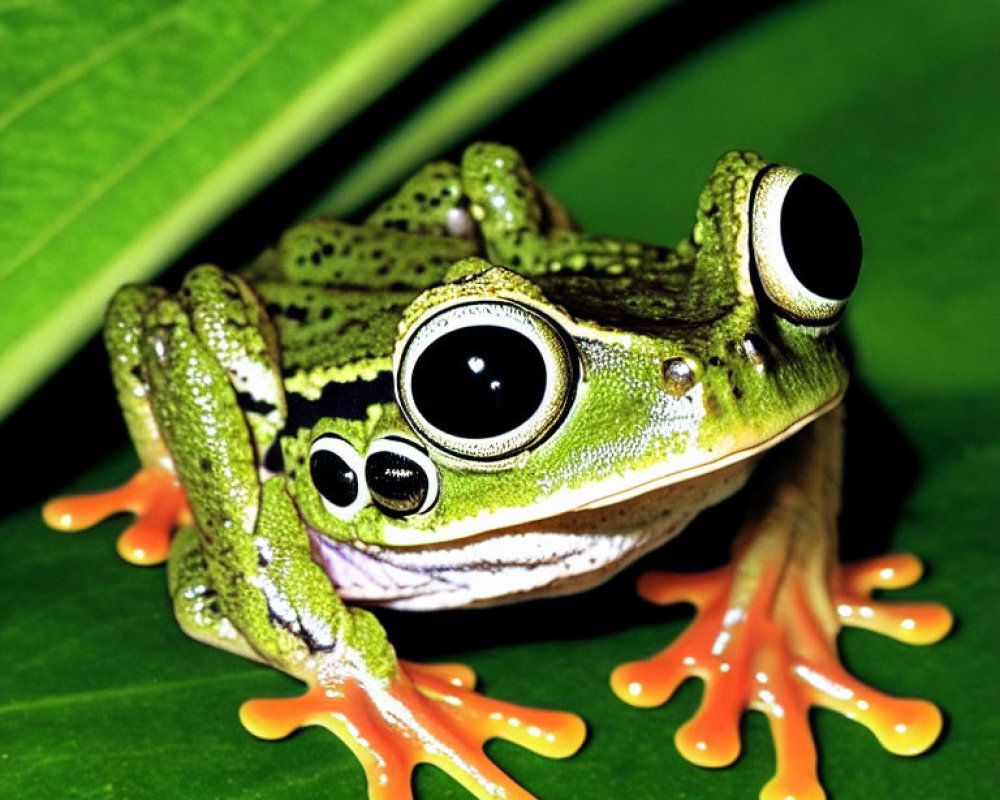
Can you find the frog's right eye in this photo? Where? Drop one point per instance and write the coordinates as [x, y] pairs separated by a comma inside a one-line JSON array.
[[337, 472], [486, 379], [806, 245]]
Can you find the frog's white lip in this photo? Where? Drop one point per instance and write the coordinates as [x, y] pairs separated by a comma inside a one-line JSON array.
[[613, 490], [491, 569]]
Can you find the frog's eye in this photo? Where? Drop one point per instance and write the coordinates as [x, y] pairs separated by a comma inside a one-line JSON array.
[[337, 471], [806, 245], [485, 380], [401, 478]]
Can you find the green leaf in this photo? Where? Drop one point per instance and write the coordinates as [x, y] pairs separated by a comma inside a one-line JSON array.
[[484, 91], [126, 130], [893, 103]]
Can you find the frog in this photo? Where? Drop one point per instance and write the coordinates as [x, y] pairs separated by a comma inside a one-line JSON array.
[[463, 400]]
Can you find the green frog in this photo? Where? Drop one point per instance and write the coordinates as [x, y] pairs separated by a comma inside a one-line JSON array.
[[464, 400]]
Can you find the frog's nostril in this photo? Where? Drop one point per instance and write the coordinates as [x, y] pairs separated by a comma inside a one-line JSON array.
[[401, 478], [679, 375]]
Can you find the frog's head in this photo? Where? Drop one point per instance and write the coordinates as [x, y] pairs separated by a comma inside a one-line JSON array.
[[546, 431]]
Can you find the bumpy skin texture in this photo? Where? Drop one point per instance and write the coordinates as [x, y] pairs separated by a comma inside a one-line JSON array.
[[683, 373]]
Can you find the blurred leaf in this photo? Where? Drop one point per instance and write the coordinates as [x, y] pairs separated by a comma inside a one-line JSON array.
[[483, 92], [127, 129]]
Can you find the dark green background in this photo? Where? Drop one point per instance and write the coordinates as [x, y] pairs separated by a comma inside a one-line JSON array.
[[896, 105]]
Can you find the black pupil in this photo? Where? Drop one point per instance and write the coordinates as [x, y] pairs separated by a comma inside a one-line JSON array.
[[333, 478], [821, 238], [398, 484], [479, 382]]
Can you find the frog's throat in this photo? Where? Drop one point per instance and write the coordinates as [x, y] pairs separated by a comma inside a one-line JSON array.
[[545, 557]]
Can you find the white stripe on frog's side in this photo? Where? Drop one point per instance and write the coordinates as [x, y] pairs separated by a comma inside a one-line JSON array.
[[545, 558]]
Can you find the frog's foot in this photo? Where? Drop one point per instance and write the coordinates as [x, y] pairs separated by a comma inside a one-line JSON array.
[[776, 653], [153, 494], [426, 714]]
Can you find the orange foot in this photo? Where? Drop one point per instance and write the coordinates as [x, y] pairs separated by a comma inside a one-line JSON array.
[[427, 714], [154, 494], [775, 652]]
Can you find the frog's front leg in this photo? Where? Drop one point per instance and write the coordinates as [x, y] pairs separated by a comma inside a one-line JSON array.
[[257, 561], [765, 634], [154, 493]]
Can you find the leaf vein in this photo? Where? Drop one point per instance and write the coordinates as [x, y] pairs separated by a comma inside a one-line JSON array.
[[151, 145], [100, 695], [77, 70]]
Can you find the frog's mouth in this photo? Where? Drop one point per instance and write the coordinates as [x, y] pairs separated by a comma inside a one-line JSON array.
[[544, 558]]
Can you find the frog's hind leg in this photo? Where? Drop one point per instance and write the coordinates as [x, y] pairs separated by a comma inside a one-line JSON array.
[[195, 601], [430, 203], [408, 241], [327, 252], [524, 227], [435, 201], [154, 493]]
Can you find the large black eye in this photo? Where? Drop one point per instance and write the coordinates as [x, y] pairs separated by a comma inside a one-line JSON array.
[[401, 478], [494, 379], [484, 379], [336, 471], [806, 244]]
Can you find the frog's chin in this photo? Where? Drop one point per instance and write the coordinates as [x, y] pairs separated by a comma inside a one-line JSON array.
[[553, 556]]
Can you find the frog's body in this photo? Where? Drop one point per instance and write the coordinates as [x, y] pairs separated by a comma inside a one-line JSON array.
[[464, 401]]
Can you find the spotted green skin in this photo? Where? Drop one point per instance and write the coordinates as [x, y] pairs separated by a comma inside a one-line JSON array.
[[207, 379]]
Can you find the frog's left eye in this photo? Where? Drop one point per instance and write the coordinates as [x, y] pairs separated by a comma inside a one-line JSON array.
[[485, 380], [337, 472], [806, 245]]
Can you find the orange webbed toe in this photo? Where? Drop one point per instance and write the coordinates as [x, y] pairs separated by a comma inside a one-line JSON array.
[[153, 494], [426, 714], [776, 653]]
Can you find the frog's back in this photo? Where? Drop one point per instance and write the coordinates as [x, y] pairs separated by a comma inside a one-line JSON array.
[[336, 291]]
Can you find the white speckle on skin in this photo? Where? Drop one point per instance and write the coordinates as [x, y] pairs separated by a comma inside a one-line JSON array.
[[824, 684], [732, 616], [459, 222], [719, 645]]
